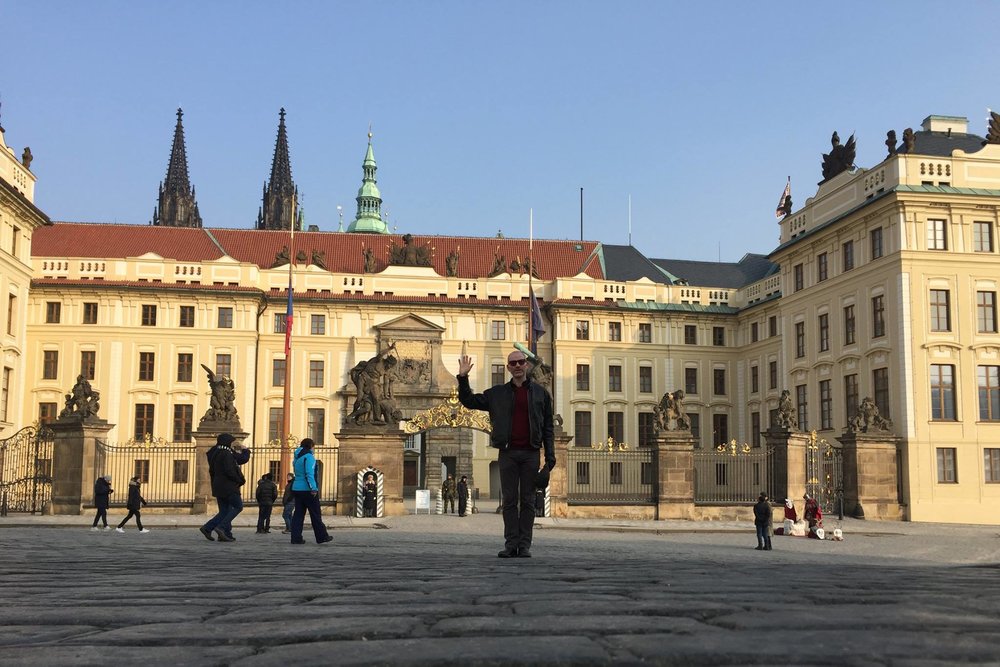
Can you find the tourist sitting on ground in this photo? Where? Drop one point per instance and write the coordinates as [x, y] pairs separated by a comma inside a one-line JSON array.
[[814, 517]]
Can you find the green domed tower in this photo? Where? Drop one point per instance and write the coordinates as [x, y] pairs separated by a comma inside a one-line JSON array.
[[369, 217]]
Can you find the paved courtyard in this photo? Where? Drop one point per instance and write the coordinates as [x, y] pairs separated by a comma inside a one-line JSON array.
[[430, 591]]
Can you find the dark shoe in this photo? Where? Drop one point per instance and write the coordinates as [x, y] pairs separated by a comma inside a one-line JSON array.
[[328, 538], [298, 541], [507, 553], [222, 537], [524, 552], [207, 533], [267, 530], [260, 532], [758, 548], [767, 548]]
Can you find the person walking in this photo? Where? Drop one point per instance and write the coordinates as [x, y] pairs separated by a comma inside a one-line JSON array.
[[762, 521], [288, 504], [306, 493], [521, 417], [448, 493], [267, 493], [463, 495], [134, 503], [227, 478], [102, 499]]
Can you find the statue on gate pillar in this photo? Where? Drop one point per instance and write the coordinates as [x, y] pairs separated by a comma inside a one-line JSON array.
[[82, 402], [786, 412], [669, 413], [868, 419], [222, 408]]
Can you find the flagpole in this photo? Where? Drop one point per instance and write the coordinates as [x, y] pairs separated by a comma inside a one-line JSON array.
[[531, 290], [285, 465]]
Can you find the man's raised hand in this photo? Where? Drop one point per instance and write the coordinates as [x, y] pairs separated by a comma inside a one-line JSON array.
[[464, 364]]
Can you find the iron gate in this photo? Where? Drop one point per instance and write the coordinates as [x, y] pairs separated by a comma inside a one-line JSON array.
[[825, 474], [26, 470]]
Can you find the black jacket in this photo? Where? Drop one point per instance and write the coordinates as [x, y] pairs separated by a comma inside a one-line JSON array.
[[102, 493], [267, 492], [499, 402], [135, 500], [227, 478], [762, 513]]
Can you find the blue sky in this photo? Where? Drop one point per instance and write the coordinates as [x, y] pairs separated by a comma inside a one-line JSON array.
[[482, 111]]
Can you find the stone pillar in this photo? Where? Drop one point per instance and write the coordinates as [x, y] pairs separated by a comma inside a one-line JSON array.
[[674, 475], [74, 470], [870, 475], [204, 440], [788, 463], [558, 505], [361, 447]]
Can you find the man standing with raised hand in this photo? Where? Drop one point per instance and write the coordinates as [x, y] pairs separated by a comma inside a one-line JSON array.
[[521, 419]]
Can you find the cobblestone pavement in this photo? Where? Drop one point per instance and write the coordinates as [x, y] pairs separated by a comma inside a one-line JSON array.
[[430, 591]]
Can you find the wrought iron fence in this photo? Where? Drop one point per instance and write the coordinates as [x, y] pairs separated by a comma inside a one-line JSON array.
[[165, 469], [26, 470], [612, 475], [733, 473], [825, 473]]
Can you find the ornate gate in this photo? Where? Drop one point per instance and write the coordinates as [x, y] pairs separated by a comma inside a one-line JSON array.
[[26, 470], [824, 473]]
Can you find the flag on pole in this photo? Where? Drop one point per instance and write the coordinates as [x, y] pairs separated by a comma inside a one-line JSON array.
[[537, 328], [779, 212], [288, 320]]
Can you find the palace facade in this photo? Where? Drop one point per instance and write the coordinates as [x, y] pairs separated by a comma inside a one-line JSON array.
[[883, 285]]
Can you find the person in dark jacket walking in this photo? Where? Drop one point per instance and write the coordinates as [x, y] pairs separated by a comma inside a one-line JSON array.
[[762, 520], [521, 417], [267, 493], [227, 478], [102, 498], [288, 504], [463, 495], [306, 492], [134, 503]]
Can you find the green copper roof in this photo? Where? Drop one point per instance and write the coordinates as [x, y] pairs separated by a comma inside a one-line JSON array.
[[369, 216]]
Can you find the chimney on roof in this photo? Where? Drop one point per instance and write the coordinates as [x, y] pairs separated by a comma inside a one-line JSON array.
[[949, 124], [313, 228]]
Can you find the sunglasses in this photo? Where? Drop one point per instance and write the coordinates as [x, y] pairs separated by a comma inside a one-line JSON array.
[[517, 362]]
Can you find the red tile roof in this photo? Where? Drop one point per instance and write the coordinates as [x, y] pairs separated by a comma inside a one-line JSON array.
[[342, 251]]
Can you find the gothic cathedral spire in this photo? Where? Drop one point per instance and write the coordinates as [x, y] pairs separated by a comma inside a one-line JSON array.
[[280, 194], [369, 217], [177, 206]]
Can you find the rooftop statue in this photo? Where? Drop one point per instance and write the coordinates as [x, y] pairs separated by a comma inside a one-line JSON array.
[[319, 258], [499, 264], [992, 132], [27, 157], [909, 140], [410, 254], [451, 263], [840, 158], [280, 258], [890, 142], [369, 258]]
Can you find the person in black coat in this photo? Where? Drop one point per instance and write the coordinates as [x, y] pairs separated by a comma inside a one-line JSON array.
[[227, 478], [267, 493], [762, 521], [102, 498], [463, 495], [134, 504], [369, 504]]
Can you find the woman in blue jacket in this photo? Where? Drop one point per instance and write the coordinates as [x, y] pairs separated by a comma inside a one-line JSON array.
[[306, 493]]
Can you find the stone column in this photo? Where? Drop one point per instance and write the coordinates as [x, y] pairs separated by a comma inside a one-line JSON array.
[[204, 440], [870, 475], [361, 447], [674, 475], [558, 477], [74, 451], [788, 463]]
